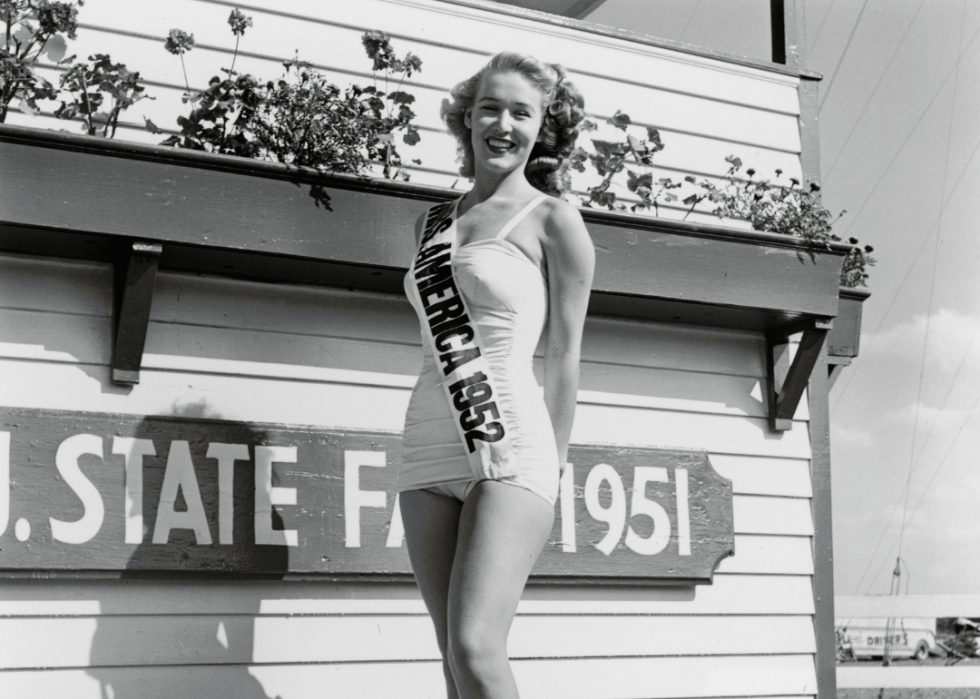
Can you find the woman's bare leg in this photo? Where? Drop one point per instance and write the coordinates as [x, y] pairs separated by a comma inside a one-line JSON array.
[[502, 529], [431, 525]]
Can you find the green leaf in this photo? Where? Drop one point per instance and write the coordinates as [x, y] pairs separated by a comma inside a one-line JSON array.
[[55, 48], [151, 127], [653, 136], [619, 120], [26, 107], [412, 136], [399, 97]]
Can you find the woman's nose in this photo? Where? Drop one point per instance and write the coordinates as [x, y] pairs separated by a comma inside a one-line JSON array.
[[504, 121]]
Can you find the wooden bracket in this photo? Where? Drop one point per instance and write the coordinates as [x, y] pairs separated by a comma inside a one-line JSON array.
[[786, 381], [835, 365], [135, 274]]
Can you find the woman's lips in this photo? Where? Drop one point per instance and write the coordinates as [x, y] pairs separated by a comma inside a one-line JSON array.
[[499, 145]]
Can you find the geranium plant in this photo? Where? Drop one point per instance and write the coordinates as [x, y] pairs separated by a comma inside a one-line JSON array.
[[32, 28], [302, 118], [610, 159], [785, 209], [96, 92], [788, 209], [99, 92]]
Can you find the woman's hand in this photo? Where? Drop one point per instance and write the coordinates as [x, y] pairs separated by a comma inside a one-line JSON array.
[[570, 258]]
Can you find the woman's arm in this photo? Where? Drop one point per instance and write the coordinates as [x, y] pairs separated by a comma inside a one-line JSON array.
[[570, 258], [419, 223]]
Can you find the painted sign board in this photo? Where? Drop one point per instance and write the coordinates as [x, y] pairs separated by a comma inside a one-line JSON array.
[[173, 495]]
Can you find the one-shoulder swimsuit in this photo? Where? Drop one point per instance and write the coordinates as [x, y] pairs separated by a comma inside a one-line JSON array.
[[507, 297]]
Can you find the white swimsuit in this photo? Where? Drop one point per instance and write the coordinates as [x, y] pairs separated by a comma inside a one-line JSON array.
[[507, 297]]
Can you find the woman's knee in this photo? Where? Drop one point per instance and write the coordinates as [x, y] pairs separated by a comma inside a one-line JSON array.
[[476, 648]]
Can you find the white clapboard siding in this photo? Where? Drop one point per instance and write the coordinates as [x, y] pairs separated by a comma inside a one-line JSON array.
[[310, 357], [192, 639], [359, 406], [82, 288], [323, 45], [28, 335], [450, 32], [612, 678], [767, 595]]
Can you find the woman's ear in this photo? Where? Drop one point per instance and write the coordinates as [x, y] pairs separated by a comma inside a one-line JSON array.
[[468, 118]]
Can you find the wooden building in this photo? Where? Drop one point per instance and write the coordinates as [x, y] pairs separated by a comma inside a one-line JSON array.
[[203, 378]]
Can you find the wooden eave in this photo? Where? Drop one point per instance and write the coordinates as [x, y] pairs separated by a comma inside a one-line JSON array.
[[145, 208]]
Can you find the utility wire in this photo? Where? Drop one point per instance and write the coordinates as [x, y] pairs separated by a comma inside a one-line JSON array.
[[833, 75], [853, 219], [925, 492], [935, 261], [873, 92], [918, 459], [932, 98], [816, 35], [949, 391], [932, 285], [932, 288], [874, 336], [688, 22]]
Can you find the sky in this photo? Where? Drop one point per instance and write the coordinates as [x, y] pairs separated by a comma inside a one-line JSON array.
[[899, 141], [899, 135]]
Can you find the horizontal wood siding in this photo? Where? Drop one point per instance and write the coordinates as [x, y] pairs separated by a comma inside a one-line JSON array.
[[292, 354], [706, 109]]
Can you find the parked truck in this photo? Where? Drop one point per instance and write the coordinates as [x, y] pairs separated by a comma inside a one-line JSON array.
[[867, 638]]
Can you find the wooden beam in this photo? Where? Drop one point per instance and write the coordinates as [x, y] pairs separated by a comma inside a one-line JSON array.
[[823, 539], [777, 20], [788, 381], [135, 274], [587, 27]]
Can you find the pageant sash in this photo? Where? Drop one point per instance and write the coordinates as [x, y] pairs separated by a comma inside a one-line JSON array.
[[454, 340]]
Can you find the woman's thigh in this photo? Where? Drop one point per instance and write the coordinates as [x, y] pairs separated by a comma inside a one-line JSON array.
[[502, 529], [431, 526]]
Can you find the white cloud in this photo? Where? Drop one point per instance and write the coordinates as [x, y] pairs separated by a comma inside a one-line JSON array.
[[951, 334]]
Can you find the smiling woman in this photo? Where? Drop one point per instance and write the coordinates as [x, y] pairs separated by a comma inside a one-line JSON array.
[[547, 165], [482, 450]]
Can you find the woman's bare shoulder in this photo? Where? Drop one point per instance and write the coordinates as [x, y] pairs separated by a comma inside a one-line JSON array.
[[564, 229]]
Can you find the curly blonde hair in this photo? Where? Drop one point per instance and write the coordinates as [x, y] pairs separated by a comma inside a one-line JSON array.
[[563, 107]]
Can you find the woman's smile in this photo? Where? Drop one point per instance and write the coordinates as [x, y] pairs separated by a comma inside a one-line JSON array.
[[499, 145], [505, 121]]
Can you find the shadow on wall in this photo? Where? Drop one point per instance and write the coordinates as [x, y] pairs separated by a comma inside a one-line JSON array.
[[173, 626]]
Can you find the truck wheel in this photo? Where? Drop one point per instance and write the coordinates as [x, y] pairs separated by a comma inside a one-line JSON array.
[[922, 651]]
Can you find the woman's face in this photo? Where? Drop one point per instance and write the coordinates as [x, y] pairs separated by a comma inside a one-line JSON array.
[[505, 121]]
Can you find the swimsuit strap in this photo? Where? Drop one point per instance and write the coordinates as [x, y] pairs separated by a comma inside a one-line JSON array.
[[520, 216]]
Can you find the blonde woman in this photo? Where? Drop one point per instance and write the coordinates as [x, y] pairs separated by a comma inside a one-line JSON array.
[[483, 448]]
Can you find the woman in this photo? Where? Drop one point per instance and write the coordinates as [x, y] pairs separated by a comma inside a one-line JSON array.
[[482, 452]]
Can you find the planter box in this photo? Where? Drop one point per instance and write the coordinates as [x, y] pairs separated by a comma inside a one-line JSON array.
[[844, 339], [75, 196]]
